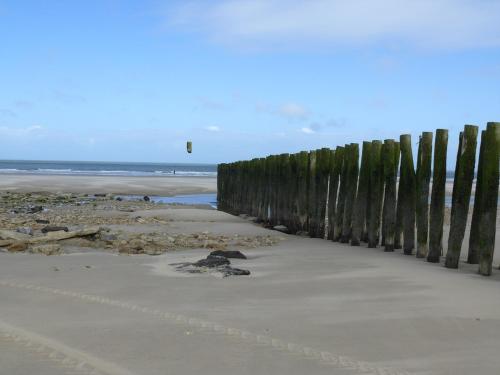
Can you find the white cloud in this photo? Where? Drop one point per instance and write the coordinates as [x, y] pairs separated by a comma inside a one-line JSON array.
[[7, 112], [293, 111], [9, 131], [449, 24], [210, 103], [290, 111], [213, 128], [307, 130]]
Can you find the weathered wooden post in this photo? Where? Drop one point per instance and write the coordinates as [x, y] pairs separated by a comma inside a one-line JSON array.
[[322, 190], [390, 194], [312, 192], [350, 194], [273, 196], [464, 175], [407, 183], [359, 213], [267, 188], [489, 197], [302, 189], [436, 219], [398, 230], [293, 219], [336, 159], [261, 214], [339, 214], [423, 180], [376, 187], [473, 255], [284, 189], [382, 217]]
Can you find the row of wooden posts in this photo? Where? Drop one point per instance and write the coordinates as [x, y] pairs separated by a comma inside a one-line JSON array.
[[330, 194]]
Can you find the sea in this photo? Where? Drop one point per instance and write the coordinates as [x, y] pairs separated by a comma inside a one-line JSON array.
[[97, 168]]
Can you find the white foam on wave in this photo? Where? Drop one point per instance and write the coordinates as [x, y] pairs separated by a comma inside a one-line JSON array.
[[50, 171]]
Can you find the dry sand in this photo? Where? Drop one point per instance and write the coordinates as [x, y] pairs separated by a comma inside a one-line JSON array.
[[309, 307]]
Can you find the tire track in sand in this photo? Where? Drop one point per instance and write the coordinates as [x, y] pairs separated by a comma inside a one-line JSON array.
[[66, 357], [324, 357]]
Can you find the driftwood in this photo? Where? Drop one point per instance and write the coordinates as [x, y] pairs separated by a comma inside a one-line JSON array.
[[51, 236]]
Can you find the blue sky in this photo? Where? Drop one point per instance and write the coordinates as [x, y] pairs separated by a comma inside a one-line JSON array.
[[134, 80]]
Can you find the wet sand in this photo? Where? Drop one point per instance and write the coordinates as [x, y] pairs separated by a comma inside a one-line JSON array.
[[166, 186]]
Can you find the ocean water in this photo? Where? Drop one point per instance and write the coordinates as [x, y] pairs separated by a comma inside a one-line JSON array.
[[90, 168], [191, 199]]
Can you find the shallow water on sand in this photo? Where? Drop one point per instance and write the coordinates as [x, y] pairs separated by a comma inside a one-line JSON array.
[[190, 199]]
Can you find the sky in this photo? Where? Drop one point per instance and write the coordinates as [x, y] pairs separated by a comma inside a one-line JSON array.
[[111, 80]]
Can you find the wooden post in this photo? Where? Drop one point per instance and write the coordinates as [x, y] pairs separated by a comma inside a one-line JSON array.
[[473, 254], [383, 223], [273, 196], [312, 193], [351, 187], [336, 158], [359, 214], [464, 175], [322, 191], [436, 219], [390, 195], [407, 183], [489, 197], [293, 218], [398, 230], [339, 214], [374, 200], [302, 189], [423, 179]]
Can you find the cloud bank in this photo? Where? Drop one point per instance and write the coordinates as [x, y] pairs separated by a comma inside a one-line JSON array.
[[427, 24]]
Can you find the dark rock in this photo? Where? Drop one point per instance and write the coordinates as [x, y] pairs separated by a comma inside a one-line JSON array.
[[211, 262], [228, 254], [51, 228], [281, 228], [230, 271], [99, 195], [42, 221], [119, 199], [35, 209], [146, 198], [25, 230]]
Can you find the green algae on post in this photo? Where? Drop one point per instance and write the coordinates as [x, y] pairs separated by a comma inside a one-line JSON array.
[[376, 188], [423, 180], [473, 254], [436, 211], [398, 230], [339, 214], [322, 174], [489, 197], [389, 210], [359, 213], [464, 175], [352, 182], [335, 171], [407, 184]]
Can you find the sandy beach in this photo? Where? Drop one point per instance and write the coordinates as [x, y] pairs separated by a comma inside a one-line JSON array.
[[108, 184], [113, 303]]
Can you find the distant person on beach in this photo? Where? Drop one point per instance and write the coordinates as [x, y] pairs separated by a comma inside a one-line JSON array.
[[174, 171]]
